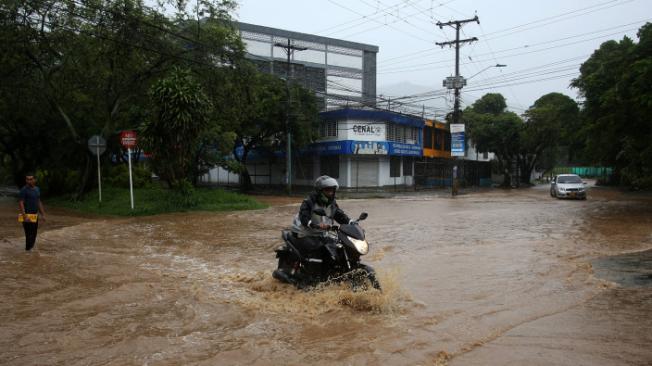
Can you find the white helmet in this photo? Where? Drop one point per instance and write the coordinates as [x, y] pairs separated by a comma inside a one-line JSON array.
[[324, 182]]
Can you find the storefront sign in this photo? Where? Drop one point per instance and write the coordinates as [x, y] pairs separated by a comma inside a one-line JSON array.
[[401, 149], [349, 147], [370, 147], [365, 131]]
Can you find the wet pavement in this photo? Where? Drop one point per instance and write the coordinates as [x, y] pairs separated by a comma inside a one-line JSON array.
[[493, 277]]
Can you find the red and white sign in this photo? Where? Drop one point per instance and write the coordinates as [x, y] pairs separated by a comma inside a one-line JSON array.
[[128, 139]]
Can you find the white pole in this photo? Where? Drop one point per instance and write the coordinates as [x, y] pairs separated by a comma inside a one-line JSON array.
[[99, 175], [131, 183]]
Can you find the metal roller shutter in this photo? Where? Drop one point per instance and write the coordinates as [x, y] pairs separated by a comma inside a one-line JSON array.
[[364, 171]]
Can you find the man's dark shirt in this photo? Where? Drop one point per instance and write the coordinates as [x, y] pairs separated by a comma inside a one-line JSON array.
[[30, 198]]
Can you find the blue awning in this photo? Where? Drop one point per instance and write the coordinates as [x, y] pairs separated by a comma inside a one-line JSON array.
[[374, 115]]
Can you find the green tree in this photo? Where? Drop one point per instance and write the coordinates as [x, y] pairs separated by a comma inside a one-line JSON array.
[[616, 85], [174, 131], [550, 122], [257, 106], [493, 129], [83, 68]]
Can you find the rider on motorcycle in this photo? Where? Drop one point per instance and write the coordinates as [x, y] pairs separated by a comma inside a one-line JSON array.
[[310, 228]]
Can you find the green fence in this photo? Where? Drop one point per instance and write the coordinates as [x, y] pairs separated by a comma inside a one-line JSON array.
[[584, 171]]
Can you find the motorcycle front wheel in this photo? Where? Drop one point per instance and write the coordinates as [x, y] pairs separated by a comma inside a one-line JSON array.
[[364, 278]]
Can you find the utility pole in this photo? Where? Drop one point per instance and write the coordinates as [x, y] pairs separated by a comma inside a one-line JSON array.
[[456, 83], [289, 50]]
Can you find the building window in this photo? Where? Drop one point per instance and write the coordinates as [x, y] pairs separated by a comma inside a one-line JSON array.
[[427, 137], [404, 134], [407, 166], [413, 135], [439, 139], [329, 165], [394, 166], [395, 132], [485, 155], [328, 129]]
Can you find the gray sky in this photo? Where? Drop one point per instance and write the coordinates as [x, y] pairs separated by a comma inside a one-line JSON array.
[[542, 43]]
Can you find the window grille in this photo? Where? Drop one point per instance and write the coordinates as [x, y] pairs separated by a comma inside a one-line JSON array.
[[328, 129]]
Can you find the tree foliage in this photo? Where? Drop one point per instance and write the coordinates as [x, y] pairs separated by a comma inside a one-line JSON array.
[[552, 121], [494, 129], [172, 134], [70, 69], [616, 85], [257, 104]]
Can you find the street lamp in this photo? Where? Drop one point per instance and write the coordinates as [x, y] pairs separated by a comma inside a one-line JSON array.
[[486, 68]]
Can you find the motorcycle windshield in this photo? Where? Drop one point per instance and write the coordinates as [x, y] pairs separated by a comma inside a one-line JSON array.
[[354, 231]]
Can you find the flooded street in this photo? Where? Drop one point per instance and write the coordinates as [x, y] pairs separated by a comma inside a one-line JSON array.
[[494, 277]]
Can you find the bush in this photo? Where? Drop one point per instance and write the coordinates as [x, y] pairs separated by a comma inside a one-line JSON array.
[[53, 182], [183, 196], [118, 176]]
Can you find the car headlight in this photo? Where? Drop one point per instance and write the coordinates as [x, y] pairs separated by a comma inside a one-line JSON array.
[[360, 245]]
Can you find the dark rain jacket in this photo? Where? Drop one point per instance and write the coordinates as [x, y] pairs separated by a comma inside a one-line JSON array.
[[306, 216]]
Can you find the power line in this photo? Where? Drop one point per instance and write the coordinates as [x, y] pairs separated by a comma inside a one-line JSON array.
[[558, 16], [388, 25], [412, 68]]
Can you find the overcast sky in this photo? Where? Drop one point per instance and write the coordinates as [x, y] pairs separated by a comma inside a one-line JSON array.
[[542, 43]]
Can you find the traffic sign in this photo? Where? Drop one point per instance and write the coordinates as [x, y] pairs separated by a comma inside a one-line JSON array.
[[97, 145], [454, 82], [128, 139]]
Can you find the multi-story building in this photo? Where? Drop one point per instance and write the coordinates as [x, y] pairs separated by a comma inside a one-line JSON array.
[[358, 144], [340, 72]]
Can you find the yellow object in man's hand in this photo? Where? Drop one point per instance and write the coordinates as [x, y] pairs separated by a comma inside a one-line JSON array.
[[27, 217]]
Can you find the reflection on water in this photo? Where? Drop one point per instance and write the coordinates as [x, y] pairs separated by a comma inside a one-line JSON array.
[[495, 277], [628, 270]]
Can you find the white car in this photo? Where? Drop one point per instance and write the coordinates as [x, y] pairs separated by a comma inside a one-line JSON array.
[[568, 186]]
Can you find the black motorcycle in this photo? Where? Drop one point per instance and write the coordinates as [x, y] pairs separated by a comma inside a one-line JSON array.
[[337, 260]]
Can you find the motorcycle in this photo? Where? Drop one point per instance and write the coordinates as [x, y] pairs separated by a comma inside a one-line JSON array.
[[338, 260]]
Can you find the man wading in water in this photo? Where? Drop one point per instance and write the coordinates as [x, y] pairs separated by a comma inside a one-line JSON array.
[[30, 205]]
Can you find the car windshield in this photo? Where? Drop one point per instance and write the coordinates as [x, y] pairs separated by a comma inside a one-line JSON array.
[[569, 179]]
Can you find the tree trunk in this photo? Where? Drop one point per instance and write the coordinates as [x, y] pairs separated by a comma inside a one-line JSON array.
[[84, 178], [245, 178]]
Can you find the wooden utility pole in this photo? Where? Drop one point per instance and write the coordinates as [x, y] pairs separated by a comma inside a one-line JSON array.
[[289, 50], [458, 82]]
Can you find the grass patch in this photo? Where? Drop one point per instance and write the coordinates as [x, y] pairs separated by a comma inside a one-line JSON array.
[[156, 200]]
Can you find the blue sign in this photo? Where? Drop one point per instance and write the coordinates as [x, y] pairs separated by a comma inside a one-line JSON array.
[[457, 143], [331, 148], [401, 149], [350, 147]]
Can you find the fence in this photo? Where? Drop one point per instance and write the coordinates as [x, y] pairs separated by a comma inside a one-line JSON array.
[[437, 173], [584, 171]]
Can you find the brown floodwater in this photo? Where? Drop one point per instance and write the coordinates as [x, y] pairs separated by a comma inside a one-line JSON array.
[[492, 277]]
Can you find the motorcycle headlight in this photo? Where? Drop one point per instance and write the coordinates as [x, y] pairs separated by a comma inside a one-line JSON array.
[[360, 245]]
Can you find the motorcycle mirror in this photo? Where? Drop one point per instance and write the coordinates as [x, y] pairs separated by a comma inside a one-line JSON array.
[[319, 212], [362, 216]]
